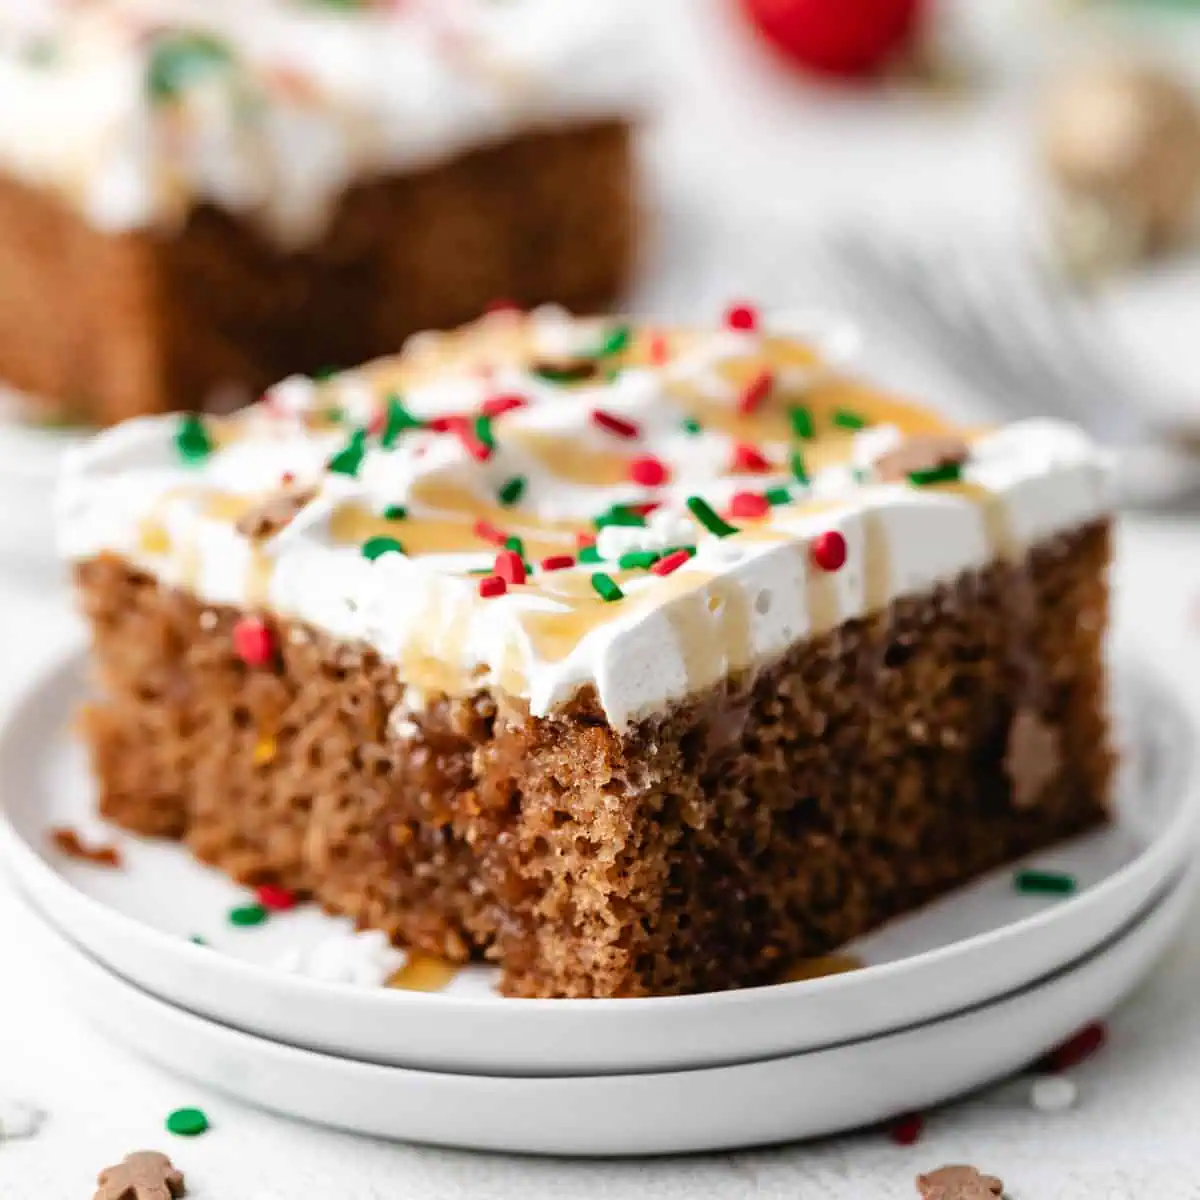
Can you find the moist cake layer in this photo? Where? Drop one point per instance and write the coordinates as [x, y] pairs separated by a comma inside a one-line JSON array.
[[400, 490]]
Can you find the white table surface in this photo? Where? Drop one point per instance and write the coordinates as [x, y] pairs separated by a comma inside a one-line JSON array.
[[1133, 1133]]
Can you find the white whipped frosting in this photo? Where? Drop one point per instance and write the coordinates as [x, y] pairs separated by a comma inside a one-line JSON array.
[[311, 97], [1037, 478]]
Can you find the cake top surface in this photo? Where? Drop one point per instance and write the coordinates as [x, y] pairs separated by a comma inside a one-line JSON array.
[[136, 110], [538, 503]]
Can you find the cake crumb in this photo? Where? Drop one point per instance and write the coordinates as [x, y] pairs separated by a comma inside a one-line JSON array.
[[143, 1175], [68, 842], [1033, 757], [958, 1182]]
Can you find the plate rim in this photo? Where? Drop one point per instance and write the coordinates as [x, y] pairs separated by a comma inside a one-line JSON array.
[[1159, 859]]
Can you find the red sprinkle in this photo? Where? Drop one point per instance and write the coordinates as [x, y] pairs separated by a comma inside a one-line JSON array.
[[755, 392], [446, 424], [558, 562], [907, 1130], [648, 471], [583, 540], [644, 507], [478, 450], [614, 424], [489, 533], [502, 305], [492, 585], [497, 406], [749, 504], [252, 642], [828, 550], [747, 458], [275, 898], [1076, 1048], [658, 350], [743, 317], [509, 567], [671, 562]]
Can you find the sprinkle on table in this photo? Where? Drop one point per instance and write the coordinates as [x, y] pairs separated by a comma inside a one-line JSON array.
[[606, 587], [511, 490], [275, 898], [648, 471], [377, 547], [1053, 1093], [802, 422], [742, 317], [510, 567], [797, 467], [1044, 883], [247, 915], [617, 426], [395, 512], [844, 418], [192, 440], [907, 1129], [253, 642], [828, 550], [638, 560], [1077, 1048], [491, 586], [703, 512], [187, 1122], [946, 473], [670, 563], [755, 392], [348, 460], [557, 562], [398, 420]]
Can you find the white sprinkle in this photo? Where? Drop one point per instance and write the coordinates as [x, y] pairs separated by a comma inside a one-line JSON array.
[[1053, 1093], [18, 1119]]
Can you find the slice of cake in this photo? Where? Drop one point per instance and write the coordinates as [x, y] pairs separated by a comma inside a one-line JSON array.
[[199, 197], [636, 660]]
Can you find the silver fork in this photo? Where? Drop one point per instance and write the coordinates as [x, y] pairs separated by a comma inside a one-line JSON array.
[[1013, 330]]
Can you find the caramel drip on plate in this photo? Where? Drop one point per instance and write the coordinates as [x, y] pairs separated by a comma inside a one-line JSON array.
[[824, 965], [423, 974]]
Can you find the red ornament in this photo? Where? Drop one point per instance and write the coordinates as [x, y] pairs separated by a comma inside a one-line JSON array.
[[557, 562], [749, 504], [648, 471], [670, 563], [275, 898], [742, 317], [613, 424], [755, 392], [252, 642], [749, 459], [828, 550], [492, 585], [1075, 1049], [907, 1130], [497, 406], [510, 567], [844, 38]]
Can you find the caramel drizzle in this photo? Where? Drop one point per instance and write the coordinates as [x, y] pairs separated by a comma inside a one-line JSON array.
[[423, 973]]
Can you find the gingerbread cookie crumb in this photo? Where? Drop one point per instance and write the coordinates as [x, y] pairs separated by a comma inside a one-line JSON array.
[[67, 841], [958, 1182], [143, 1175], [274, 513], [1033, 757], [918, 455]]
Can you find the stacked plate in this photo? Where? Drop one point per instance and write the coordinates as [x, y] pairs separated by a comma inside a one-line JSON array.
[[964, 992]]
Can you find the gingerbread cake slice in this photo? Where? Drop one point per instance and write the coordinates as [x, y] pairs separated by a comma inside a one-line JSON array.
[[638, 661], [199, 197]]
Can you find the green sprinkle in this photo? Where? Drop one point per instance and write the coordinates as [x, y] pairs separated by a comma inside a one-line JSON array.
[[399, 420], [638, 560], [324, 374], [511, 490], [1044, 883], [692, 426], [348, 460], [179, 59], [704, 513], [589, 554], [778, 495], [187, 1122], [845, 419], [512, 542], [569, 374], [480, 570], [483, 432], [690, 551], [334, 414], [946, 473], [192, 440], [395, 512], [247, 914], [376, 547], [622, 515], [606, 587], [802, 422], [798, 469], [616, 341]]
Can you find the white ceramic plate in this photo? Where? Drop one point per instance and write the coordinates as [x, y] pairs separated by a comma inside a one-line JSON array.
[[778, 1099], [983, 942]]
